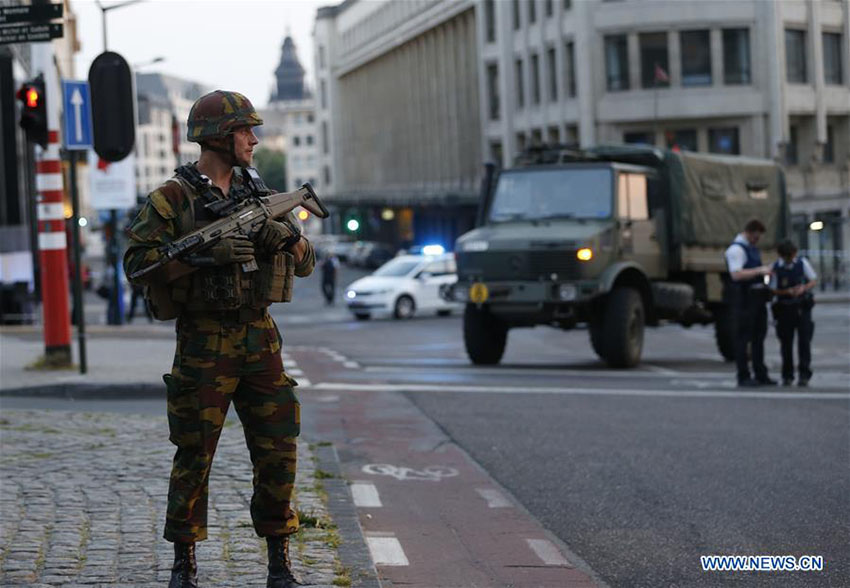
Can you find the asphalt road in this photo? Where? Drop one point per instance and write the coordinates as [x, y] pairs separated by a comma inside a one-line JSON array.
[[637, 472]]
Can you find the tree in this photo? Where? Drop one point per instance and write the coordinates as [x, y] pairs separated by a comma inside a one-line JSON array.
[[272, 167]]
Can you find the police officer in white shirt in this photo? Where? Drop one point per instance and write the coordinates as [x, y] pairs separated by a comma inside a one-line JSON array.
[[748, 301], [792, 282]]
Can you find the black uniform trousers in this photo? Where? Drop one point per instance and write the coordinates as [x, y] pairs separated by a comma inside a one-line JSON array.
[[791, 318], [751, 329]]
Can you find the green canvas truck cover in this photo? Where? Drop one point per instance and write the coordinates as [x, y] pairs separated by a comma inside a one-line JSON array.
[[713, 197]]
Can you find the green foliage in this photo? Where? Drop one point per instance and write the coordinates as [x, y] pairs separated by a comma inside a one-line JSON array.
[[272, 167]]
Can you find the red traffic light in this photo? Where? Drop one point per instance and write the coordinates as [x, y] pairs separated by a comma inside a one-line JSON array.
[[34, 113]]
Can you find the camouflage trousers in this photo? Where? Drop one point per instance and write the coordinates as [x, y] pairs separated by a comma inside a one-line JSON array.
[[216, 363]]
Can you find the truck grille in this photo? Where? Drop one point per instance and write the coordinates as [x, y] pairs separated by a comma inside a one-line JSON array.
[[517, 265]]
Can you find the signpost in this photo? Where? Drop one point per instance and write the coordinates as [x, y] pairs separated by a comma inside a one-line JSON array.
[[30, 13], [30, 23], [30, 33]]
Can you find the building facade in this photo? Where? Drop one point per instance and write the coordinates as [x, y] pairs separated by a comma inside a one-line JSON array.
[[763, 79]]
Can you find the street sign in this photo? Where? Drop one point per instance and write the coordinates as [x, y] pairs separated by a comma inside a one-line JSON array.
[[113, 184], [30, 33], [30, 13], [77, 108]]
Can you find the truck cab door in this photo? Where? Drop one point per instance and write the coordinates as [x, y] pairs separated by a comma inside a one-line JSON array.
[[640, 234]]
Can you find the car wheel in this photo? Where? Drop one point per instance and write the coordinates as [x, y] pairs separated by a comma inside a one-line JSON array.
[[405, 307], [362, 316]]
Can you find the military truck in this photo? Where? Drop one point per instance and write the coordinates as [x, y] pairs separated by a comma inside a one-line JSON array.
[[616, 238]]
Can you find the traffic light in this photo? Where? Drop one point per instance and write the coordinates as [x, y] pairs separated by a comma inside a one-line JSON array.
[[112, 106], [34, 110], [352, 221]]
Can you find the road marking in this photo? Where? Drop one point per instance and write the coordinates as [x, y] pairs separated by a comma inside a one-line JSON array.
[[296, 372], [351, 364], [661, 370], [305, 383], [546, 551], [365, 495], [386, 550], [533, 370], [494, 498], [352, 386], [428, 474]]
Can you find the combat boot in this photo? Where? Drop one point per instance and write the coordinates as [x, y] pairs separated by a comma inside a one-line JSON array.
[[184, 572], [280, 567]]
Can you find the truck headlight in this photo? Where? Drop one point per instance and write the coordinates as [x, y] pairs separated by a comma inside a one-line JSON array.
[[584, 254], [567, 292]]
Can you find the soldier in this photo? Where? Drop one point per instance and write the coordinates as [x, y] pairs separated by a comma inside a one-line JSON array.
[[749, 304], [228, 347], [792, 282]]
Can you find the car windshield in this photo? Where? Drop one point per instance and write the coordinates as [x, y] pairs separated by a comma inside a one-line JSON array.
[[397, 267], [553, 193]]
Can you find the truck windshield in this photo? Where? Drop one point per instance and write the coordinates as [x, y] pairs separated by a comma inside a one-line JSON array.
[[556, 193]]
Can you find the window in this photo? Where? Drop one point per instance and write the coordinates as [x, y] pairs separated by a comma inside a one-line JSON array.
[[653, 60], [829, 146], [568, 4], [724, 141], [327, 173], [682, 140], [517, 16], [309, 139], [520, 84], [535, 78], [321, 57], [296, 141], [325, 144], [520, 142], [736, 56], [553, 74], [639, 138], [496, 152], [537, 137], [791, 146], [493, 90], [550, 9], [532, 11], [616, 63], [795, 56], [696, 58], [832, 59], [323, 94], [553, 135], [570, 66], [310, 118], [490, 20], [631, 197]]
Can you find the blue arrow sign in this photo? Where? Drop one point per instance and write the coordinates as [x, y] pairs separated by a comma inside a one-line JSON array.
[[77, 107]]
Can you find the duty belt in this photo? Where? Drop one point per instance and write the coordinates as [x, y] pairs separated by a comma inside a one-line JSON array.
[[237, 316]]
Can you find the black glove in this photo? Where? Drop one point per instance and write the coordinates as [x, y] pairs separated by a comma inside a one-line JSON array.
[[232, 250], [275, 236]]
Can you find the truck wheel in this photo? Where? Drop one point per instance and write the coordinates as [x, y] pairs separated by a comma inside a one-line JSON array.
[[724, 333], [484, 336], [622, 328]]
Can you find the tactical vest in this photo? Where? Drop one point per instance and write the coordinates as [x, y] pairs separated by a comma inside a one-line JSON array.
[[219, 288], [753, 260], [789, 276]]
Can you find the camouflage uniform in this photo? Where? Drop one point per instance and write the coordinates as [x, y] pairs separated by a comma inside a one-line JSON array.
[[221, 356]]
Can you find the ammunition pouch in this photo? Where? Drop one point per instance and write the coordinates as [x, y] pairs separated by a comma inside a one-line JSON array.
[[274, 279], [166, 301]]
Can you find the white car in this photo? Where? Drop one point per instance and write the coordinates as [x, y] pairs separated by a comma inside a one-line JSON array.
[[404, 286]]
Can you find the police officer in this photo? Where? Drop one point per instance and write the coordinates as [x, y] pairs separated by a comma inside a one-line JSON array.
[[792, 281], [228, 347], [748, 299]]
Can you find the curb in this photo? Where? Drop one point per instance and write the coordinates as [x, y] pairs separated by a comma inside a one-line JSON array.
[[353, 551], [73, 391]]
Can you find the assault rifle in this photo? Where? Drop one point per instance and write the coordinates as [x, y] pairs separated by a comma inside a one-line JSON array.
[[247, 218]]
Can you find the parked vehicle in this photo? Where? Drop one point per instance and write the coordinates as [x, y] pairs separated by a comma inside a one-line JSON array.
[[404, 286], [615, 237]]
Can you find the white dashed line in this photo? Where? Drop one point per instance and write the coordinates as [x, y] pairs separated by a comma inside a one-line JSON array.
[[386, 550], [365, 495], [546, 551], [296, 372], [494, 498], [351, 364], [304, 382]]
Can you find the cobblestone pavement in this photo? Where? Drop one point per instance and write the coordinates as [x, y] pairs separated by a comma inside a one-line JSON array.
[[83, 498]]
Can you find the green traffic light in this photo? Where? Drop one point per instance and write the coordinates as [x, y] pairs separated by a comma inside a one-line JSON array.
[[352, 225]]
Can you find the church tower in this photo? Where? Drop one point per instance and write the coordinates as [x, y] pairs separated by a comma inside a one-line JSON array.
[[289, 75]]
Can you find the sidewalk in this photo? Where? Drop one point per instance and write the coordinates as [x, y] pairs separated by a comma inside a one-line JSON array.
[[83, 499]]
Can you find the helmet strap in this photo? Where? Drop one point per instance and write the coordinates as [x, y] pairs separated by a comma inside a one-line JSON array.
[[229, 151]]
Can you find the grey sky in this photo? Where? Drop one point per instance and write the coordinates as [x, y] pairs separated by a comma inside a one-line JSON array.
[[226, 44]]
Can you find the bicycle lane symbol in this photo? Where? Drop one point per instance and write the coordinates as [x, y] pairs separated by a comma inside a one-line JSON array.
[[402, 473]]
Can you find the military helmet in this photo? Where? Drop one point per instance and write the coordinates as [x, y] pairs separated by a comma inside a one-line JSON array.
[[218, 114]]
